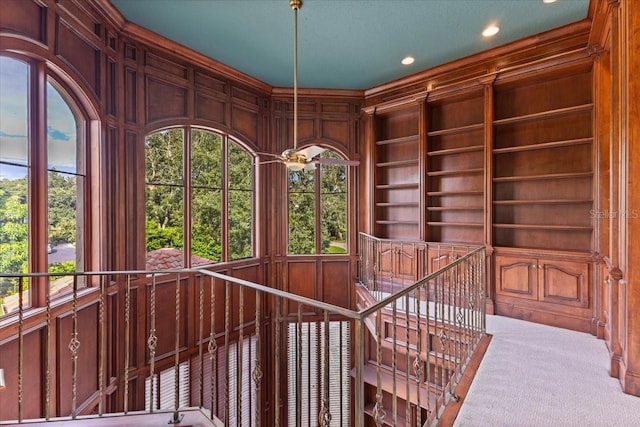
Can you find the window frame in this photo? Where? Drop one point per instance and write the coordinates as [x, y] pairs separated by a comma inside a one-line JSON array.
[[41, 74], [187, 197], [318, 207]]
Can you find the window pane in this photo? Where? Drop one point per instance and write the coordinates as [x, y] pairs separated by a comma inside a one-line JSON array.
[[64, 192], [206, 199], [333, 202], [14, 96], [206, 230], [164, 199], [14, 231], [240, 167], [302, 212]]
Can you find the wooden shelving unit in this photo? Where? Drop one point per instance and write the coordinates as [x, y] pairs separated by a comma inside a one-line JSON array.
[[397, 173], [542, 162], [455, 169], [543, 198]]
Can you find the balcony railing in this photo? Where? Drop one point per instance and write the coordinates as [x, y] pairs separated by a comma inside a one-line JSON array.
[[244, 354]]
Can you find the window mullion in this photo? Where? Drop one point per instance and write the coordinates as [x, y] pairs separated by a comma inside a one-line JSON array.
[[224, 212], [187, 196], [318, 209], [37, 198]]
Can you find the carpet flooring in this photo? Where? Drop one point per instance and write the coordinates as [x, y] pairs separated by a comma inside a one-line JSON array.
[[536, 376]]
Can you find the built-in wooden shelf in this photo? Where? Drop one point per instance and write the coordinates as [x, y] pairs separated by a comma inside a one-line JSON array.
[[398, 204], [467, 149], [456, 172], [397, 186], [544, 114], [456, 224], [398, 163], [554, 227], [454, 130], [543, 145], [548, 176], [394, 221], [399, 140], [543, 202], [454, 193], [455, 208]]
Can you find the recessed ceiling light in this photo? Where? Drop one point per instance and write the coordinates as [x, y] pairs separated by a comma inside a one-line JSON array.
[[491, 30], [408, 60], [548, 1]]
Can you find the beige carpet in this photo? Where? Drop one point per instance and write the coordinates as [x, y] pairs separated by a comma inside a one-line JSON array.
[[537, 375]]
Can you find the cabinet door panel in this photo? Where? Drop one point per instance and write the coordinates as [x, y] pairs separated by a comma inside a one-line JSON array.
[[516, 277], [565, 283]]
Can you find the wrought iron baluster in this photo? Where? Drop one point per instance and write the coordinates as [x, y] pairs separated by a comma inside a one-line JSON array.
[[240, 355], [176, 417], [417, 363], [74, 345], [152, 343], [102, 347], [47, 368], [227, 327], [200, 340], [325, 413], [213, 352], [278, 339], [256, 375], [299, 367], [407, 358], [394, 362], [21, 347], [127, 307], [378, 410]]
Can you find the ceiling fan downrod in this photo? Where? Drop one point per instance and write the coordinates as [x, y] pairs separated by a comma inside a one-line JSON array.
[[295, 5]]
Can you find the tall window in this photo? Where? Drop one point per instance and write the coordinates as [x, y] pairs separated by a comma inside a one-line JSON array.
[[42, 179], [199, 198], [318, 209]]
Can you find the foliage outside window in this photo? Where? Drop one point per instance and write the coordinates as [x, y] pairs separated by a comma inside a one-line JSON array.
[[25, 163], [200, 186], [318, 208]]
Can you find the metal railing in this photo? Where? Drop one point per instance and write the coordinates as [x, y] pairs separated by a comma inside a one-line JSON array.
[[245, 354]]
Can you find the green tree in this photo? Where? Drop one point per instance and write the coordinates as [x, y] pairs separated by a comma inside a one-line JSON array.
[[62, 194], [164, 198]]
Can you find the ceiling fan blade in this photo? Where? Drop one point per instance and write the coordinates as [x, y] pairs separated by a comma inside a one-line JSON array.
[[339, 162], [269, 161], [310, 166], [269, 155], [310, 152]]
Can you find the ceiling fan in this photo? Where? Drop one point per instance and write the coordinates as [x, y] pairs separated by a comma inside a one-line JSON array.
[[305, 158]]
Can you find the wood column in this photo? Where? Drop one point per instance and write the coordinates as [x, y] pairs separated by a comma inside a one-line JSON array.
[[629, 38]]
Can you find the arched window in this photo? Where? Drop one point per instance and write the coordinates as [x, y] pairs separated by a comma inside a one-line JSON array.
[[318, 208], [199, 198], [43, 188]]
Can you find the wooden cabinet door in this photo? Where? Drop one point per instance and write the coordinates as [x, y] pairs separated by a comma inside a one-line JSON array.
[[564, 282], [517, 277]]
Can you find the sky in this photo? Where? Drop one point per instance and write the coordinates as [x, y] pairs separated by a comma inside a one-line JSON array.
[[61, 124]]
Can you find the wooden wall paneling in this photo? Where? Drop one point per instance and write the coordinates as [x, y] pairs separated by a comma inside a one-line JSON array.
[[336, 282], [164, 100], [87, 359], [32, 376], [301, 279], [26, 18], [80, 53]]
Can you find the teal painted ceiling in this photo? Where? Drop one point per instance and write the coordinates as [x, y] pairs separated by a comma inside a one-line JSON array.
[[344, 44]]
